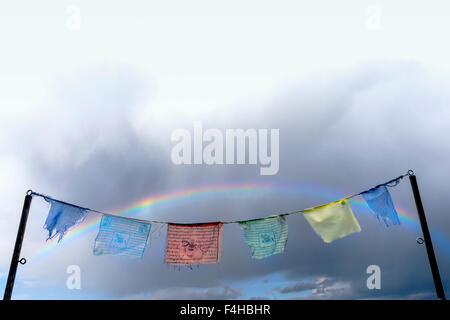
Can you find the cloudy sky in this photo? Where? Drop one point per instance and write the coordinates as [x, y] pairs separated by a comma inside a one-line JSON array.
[[90, 93]]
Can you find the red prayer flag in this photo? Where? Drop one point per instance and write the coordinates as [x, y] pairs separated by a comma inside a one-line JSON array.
[[194, 243]]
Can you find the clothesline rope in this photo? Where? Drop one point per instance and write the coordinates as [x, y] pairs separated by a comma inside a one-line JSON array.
[[391, 183]]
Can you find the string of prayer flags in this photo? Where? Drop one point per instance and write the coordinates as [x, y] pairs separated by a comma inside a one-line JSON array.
[[61, 217], [194, 243], [200, 243], [333, 220], [380, 202], [122, 236], [265, 237]]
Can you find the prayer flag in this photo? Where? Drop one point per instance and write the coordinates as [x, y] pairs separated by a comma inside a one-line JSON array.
[[332, 221], [62, 217], [380, 202], [194, 243], [122, 236], [265, 237]]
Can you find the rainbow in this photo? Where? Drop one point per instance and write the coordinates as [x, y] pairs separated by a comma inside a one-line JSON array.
[[202, 192], [93, 221]]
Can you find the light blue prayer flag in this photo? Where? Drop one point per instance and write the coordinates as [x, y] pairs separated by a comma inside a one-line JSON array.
[[379, 201], [61, 217], [122, 236], [265, 237]]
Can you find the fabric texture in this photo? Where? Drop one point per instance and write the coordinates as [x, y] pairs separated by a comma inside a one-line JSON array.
[[333, 220], [265, 237], [194, 243], [122, 236], [380, 202], [62, 217]]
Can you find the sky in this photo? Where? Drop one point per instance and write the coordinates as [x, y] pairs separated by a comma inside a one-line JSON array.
[[90, 93]]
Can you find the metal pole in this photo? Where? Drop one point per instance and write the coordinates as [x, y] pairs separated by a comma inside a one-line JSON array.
[[427, 238], [18, 246]]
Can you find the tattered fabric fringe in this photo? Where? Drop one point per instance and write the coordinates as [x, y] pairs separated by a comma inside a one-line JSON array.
[[62, 217]]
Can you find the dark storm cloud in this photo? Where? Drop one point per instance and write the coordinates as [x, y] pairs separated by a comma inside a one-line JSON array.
[[346, 130], [215, 293], [297, 287], [84, 145]]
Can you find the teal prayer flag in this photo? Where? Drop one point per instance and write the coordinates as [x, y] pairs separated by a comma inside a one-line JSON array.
[[265, 237], [122, 236]]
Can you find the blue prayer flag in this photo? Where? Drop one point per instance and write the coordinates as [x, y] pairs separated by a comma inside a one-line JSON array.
[[379, 201], [122, 236], [61, 217]]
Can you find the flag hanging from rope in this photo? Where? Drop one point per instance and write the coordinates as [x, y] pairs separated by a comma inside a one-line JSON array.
[[122, 236], [380, 202], [62, 217], [194, 243], [265, 237], [333, 220]]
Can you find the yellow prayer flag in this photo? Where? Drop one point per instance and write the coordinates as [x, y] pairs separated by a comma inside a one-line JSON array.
[[333, 220]]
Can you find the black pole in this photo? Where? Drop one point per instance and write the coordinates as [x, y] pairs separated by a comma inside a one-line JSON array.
[[427, 238], [18, 246]]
